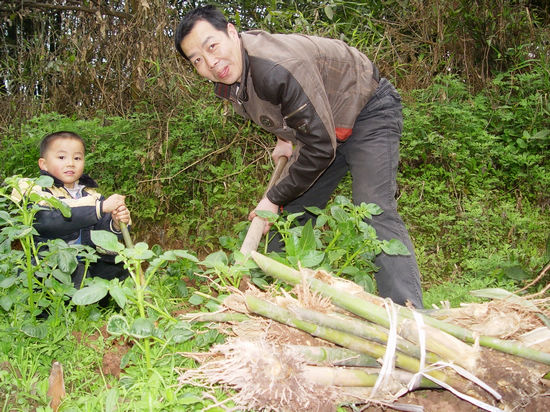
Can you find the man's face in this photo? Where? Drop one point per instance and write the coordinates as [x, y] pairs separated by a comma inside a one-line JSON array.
[[214, 54], [64, 160]]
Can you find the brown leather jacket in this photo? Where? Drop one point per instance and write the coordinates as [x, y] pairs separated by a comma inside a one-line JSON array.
[[304, 89]]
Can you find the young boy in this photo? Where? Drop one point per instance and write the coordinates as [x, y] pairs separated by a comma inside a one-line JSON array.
[[62, 158]]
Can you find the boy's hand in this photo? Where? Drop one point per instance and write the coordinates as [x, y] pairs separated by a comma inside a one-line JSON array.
[[120, 214], [113, 202]]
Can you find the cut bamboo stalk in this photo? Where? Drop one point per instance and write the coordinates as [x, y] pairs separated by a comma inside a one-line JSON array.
[[448, 347], [405, 377], [354, 377], [324, 375], [376, 314], [215, 317], [362, 329], [505, 346], [272, 311], [280, 271], [335, 356]]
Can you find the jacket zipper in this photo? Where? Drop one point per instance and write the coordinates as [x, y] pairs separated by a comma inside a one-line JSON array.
[[288, 116]]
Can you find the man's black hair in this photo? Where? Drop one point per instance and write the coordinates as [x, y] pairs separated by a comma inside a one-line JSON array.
[[46, 140], [208, 13]]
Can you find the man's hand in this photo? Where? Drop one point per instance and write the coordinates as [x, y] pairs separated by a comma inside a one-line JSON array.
[[282, 148], [265, 204]]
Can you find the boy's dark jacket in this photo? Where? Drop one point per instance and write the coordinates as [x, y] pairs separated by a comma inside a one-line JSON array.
[[86, 212]]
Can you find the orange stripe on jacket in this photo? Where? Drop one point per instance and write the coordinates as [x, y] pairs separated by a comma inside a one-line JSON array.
[[342, 134]]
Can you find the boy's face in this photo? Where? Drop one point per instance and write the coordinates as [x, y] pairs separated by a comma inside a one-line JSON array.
[[64, 160], [214, 54]]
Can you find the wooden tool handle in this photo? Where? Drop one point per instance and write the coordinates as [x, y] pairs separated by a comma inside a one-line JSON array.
[[253, 236], [129, 245], [255, 231], [279, 166], [126, 235]]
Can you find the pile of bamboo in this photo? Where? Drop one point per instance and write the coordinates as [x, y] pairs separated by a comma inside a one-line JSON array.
[[362, 349]]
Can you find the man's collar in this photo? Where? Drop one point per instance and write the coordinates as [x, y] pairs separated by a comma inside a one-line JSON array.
[[235, 92]]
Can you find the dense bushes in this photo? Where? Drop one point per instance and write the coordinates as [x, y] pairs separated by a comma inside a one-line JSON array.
[[474, 177], [188, 177], [114, 56], [473, 183], [487, 141]]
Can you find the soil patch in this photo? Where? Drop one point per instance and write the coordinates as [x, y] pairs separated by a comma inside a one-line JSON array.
[[113, 350]]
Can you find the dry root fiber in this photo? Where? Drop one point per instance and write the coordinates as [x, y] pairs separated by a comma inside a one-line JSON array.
[[265, 378], [499, 318]]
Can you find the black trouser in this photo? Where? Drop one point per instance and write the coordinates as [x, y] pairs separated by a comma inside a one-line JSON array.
[[371, 154], [104, 268]]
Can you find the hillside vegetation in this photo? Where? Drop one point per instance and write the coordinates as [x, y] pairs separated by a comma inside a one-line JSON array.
[[475, 77]]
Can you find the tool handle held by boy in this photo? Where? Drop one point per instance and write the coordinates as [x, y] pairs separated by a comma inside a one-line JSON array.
[[126, 235], [255, 231]]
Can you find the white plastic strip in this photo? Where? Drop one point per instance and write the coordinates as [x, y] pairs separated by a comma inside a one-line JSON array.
[[415, 383], [467, 375], [388, 362], [439, 365], [463, 372]]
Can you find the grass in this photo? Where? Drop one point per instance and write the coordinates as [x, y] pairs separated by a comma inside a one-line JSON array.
[[90, 358], [455, 292]]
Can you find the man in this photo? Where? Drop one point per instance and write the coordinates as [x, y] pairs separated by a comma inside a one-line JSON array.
[[330, 111]]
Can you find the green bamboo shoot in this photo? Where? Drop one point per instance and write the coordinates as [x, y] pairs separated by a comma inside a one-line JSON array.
[[331, 356], [360, 328], [377, 314], [272, 311]]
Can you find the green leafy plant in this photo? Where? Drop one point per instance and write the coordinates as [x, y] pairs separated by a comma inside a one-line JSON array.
[[473, 183], [219, 265], [341, 240], [142, 328]]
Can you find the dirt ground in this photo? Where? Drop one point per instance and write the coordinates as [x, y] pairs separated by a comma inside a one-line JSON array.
[[113, 353], [517, 380], [530, 397]]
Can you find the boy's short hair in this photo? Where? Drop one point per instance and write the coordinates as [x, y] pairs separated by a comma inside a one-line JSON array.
[[46, 140], [208, 13]]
